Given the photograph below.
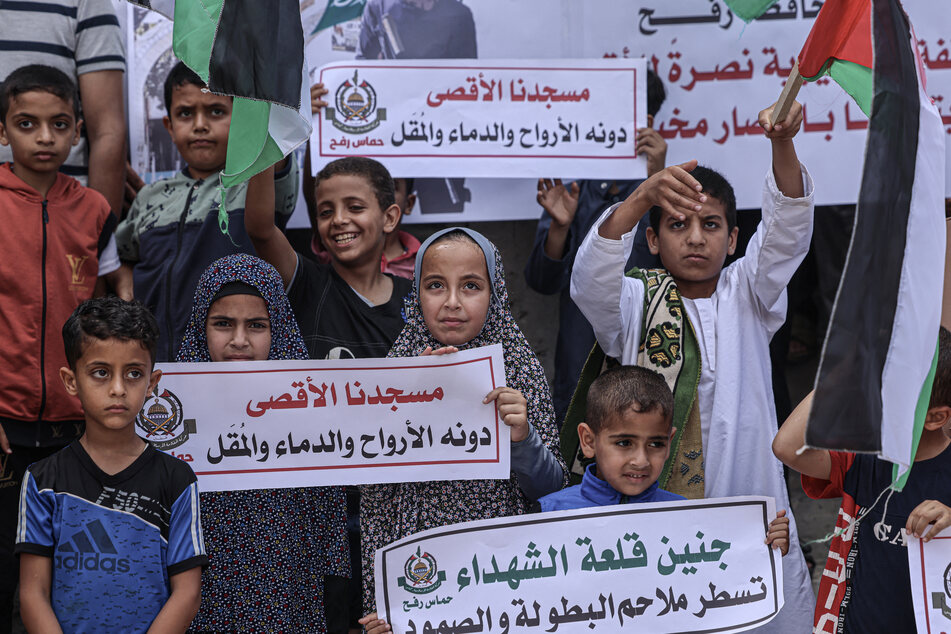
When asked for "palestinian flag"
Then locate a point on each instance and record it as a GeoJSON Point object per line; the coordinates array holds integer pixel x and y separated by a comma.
{"type": "Point", "coordinates": [252, 50]}
{"type": "Point", "coordinates": [840, 45]}
{"type": "Point", "coordinates": [877, 364]}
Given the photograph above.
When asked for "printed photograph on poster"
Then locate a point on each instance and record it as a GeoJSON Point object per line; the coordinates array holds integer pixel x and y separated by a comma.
{"type": "Point", "coordinates": [930, 566]}
{"type": "Point", "coordinates": [279, 424]}
{"type": "Point", "coordinates": [690, 566]}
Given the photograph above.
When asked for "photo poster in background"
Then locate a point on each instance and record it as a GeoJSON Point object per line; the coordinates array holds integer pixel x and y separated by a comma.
{"type": "Point", "coordinates": [717, 70]}
{"type": "Point", "coordinates": [279, 424]}
{"type": "Point", "coordinates": [691, 566]}
{"type": "Point", "coordinates": [496, 119]}
{"type": "Point", "coordinates": [930, 566]}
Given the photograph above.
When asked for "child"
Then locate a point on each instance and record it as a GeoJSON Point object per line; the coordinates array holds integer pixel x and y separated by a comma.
{"type": "Point", "coordinates": [627, 431]}
{"type": "Point", "coordinates": [242, 314]}
{"type": "Point", "coordinates": [399, 248]}
{"type": "Point", "coordinates": [865, 586]}
{"type": "Point", "coordinates": [460, 301]}
{"type": "Point", "coordinates": [706, 328]}
{"type": "Point", "coordinates": [349, 309]}
{"type": "Point", "coordinates": [172, 232]}
{"type": "Point", "coordinates": [108, 534]}
{"type": "Point", "coordinates": [57, 239]}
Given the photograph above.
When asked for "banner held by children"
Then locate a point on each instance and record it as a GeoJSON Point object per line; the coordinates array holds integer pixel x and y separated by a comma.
{"type": "Point", "coordinates": [279, 424]}
{"type": "Point", "coordinates": [930, 567]}
{"type": "Point", "coordinates": [497, 119]}
{"type": "Point", "coordinates": [692, 566]}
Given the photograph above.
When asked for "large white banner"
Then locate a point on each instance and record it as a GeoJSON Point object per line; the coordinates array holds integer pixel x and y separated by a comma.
{"type": "Point", "coordinates": [692, 566]}
{"type": "Point", "coordinates": [278, 424]}
{"type": "Point", "coordinates": [465, 118]}
{"type": "Point", "coordinates": [930, 566]}
{"type": "Point", "coordinates": [718, 71]}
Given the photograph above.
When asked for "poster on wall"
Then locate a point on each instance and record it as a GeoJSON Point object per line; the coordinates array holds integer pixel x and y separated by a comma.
{"type": "Point", "coordinates": [718, 73]}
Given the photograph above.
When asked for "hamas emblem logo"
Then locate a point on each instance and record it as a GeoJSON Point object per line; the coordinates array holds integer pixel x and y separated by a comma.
{"type": "Point", "coordinates": [355, 110]}
{"type": "Point", "coordinates": [422, 576]}
{"type": "Point", "coordinates": [162, 423]}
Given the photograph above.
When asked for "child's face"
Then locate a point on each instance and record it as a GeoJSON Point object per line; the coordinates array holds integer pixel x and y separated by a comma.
{"type": "Point", "coordinates": [112, 379]}
{"type": "Point", "coordinates": [238, 328]}
{"type": "Point", "coordinates": [350, 223]}
{"type": "Point", "coordinates": [454, 291]}
{"type": "Point", "coordinates": [694, 249]}
{"type": "Point", "coordinates": [40, 129]}
{"type": "Point", "coordinates": [198, 123]}
{"type": "Point", "coordinates": [630, 450]}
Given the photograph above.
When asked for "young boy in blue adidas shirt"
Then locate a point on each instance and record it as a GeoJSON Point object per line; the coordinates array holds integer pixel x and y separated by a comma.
{"type": "Point", "coordinates": [627, 430]}
{"type": "Point", "coordinates": [109, 536]}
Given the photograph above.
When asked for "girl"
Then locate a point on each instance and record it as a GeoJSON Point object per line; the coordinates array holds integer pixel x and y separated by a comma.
{"type": "Point", "coordinates": [269, 549]}
{"type": "Point", "coordinates": [460, 301]}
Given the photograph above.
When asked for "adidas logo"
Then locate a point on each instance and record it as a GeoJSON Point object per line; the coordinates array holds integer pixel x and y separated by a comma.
{"type": "Point", "coordinates": [90, 549]}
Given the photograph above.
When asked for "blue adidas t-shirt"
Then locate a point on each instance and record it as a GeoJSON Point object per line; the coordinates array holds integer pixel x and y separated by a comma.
{"type": "Point", "coordinates": [114, 540]}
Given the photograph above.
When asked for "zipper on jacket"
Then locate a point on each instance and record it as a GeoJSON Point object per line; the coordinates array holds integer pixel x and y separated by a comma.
{"type": "Point", "coordinates": [46, 221]}
{"type": "Point", "coordinates": [171, 266]}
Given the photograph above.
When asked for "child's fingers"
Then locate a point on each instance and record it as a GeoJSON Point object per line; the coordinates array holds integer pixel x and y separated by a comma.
{"type": "Point", "coordinates": [428, 351]}
{"type": "Point", "coordinates": [439, 351]}
{"type": "Point", "coordinates": [504, 394]}
{"type": "Point", "coordinates": [928, 519]}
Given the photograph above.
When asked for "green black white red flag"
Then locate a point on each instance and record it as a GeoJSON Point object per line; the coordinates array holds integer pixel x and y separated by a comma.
{"type": "Point", "coordinates": [877, 364]}
{"type": "Point", "coordinates": [252, 50]}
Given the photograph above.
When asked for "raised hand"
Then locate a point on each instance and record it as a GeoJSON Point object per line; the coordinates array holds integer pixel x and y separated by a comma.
{"type": "Point", "coordinates": [651, 143]}
{"type": "Point", "coordinates": [559, 201]}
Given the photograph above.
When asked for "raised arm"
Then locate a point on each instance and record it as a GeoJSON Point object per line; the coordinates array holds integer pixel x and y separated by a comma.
{"type": "Point", "coordinates": [269, 242]}
{"type": "Point", "coordinates": [786, 169]}
{"type": "Point", "coordinates": [814, 463]}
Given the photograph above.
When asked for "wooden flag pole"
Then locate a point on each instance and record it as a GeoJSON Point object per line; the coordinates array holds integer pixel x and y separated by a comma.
{"type": "Point", "coordinates": [788, 96]}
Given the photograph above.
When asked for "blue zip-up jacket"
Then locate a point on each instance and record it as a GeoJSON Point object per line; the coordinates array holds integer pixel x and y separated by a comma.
{"type": "Point", "coordinates": [171, 235]}
{"type": "Point", "coordinates": [593, 491]}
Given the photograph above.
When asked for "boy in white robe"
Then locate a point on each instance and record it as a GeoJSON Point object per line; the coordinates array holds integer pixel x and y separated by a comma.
{"type": "Point", "coordinates": [733, 313]}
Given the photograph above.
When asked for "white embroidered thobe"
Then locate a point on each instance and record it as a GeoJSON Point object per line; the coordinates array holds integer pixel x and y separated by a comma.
{"type": "Point", "coordinates": [737, 413]}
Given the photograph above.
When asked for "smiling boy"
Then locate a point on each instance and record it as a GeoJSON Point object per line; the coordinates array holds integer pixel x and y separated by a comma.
{"type": "Point", "coordinates": [109, 535]}
{"type": "Point", "coordinates": [172, 232]}
{"type": "Point", "coordinates": [707, 328]}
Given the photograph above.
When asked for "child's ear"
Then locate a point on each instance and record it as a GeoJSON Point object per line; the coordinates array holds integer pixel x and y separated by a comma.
{"type": "Point", "coordinates": [586, 437]}
{"type": "Point", "coordinates": [168, 126]}
{"type": "Point", "coordinates": [3, 135]}
{"type": "Point", "coordinates": [69, 381]}
{"type": "Point", "coordinates": [410, 203]}
{"type": "Point", "coordinates": [153, 382]}
{"type": "Point", "coordinates": [670, 441]}
{"type": "Point", "coordinates": [79, 127]}
{"type": "Point", "coordinates": [731, 243]}
{"type": "Point", "coordinates": [391, 218]}
{"type": "Point", "coordinates": [653, 243]}
{"type": "Point", "coordinates": [936, 417]}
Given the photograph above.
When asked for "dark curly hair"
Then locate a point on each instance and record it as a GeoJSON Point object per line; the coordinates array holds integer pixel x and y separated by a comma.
{"type": "Point", "coordinates": [109, 318]}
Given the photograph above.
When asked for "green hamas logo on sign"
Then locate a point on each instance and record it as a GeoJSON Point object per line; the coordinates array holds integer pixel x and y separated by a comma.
{"type": "Point", "coordinates": [355, 110]}
{"type": "Point", "coordinates": [422, 576]}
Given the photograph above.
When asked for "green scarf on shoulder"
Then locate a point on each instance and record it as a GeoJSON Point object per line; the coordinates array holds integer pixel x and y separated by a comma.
{"type": "Point", "coordinates": [668, 346]}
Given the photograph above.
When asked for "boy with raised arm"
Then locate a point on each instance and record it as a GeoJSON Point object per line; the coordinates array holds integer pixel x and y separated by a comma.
{"type": "Point", "coordinates": [706, 328]}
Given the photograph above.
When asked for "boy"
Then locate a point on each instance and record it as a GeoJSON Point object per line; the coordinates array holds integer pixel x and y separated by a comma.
{"type": "Point", "coordinates": [865, 586]}
{"type": "Point", "coordinates": [172, 232]}
{"type": "Point", "coordinates": [706, 328]}
{"type": "Point", "coordinates": [348, 308]}
{"type": "Point", "coordinates": [57, 239]}
{"type": "Point", "coordinates": [627, 431]}
{"type": "Point", "coordinates": [109, 535]}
